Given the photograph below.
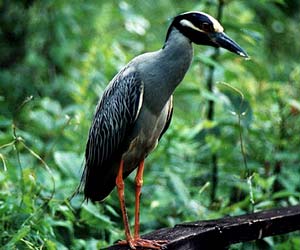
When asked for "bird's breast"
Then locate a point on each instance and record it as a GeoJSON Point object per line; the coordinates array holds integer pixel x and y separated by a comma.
{"type": "Point", "coordinates": [145, 135]}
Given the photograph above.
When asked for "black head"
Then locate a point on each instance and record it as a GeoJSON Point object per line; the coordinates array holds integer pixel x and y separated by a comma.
{"type": "Point", "coordinates": [203, 29]}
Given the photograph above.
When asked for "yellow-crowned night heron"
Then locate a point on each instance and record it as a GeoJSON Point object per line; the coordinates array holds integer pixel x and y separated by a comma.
{"type": "Point", "coordinates": [136, 109]}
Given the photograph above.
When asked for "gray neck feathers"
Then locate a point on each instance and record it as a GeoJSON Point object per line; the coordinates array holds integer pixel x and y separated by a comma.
{"type": "Point", "coordinates": [163, 70]}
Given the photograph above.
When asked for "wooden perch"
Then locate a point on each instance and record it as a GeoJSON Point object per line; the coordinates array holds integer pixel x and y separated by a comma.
{"type": "Point", "coordinates": [219, 234]}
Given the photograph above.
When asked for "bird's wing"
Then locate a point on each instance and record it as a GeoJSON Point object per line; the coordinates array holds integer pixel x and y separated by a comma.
{"type": "Point", "coordinates": [115, 116]}
{"type": "Point", "coordinates": [169, 117]}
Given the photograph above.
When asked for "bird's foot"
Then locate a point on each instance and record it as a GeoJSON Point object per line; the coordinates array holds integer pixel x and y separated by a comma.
{"type": "Point", "coordinates": [143, 243]}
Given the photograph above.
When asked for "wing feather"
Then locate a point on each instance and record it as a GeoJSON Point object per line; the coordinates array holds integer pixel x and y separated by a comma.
{"type": "Point", "coordinates": [115, 115]}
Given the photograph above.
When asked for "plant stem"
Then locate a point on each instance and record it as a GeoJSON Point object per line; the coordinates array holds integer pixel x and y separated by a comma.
{"type": "Point", "coordinates": [211, 111]}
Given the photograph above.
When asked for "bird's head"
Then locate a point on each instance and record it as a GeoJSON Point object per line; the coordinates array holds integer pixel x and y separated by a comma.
{"type": "Point", "coordinates": [203, 29]}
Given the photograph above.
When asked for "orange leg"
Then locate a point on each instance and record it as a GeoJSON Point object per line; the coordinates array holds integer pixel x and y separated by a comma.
{"type": "Point", "coordinates": [138, 188]}
{"type": "Point", "coordinates": [120, 187]}
{"type": "Point", "coordinates": [136, 241]}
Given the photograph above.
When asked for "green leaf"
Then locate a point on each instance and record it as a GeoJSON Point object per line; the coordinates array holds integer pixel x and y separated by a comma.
{"type": "Point", "coordinates": [90, 214]}
{"type": "Point", "coordinates": [69, 163]}
{"type": "Point", "coordinates": [20, 234]}
{"type": "Point", "coordinates": [51, 106]}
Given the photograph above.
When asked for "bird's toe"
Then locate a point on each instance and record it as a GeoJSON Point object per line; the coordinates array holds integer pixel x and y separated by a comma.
{"type": "Point", "coordinates": [143, 243]}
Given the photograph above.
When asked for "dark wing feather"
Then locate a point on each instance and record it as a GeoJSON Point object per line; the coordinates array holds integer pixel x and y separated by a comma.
{"type": "Point", "coordinates": [115, 116]}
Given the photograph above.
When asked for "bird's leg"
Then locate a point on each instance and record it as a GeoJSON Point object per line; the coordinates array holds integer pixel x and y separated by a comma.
{"type": "Point", "coordinates": [139, 184]}
{"type": "Point", "coordinates": [135, 241]}
{"type": "Point", "coordinates": [120, 187]}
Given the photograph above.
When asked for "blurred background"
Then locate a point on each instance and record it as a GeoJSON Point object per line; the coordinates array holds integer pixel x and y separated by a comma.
{"type": "Point", "coordinates": [233, 146]}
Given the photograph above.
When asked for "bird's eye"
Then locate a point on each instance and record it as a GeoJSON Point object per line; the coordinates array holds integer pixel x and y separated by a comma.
{"type": "Point", "coordinates": [207, 27]}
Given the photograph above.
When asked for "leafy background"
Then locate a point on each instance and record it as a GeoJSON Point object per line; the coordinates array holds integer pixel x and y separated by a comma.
{"type": "Point", "coordinates": [56, 59]}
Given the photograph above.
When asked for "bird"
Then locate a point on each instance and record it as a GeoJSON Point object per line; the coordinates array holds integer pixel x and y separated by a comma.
{"type": "Point", "coordinates": [135, 110]}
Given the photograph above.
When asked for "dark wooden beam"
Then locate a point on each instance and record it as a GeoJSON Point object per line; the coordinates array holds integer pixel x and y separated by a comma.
{"type": "Point", "coordinates": [220, 233]}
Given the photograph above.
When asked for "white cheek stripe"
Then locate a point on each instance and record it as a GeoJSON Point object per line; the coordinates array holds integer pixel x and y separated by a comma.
{"type": "Point", "coordinates": [187, 23]}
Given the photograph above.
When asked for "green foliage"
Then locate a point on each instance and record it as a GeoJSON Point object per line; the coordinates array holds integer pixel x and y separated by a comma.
{"type": "Point", "coordinates": [56, 59]}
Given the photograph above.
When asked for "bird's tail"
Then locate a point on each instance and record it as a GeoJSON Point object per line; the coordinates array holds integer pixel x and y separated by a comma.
{"type": "Point", "coordinates": [95, 185]}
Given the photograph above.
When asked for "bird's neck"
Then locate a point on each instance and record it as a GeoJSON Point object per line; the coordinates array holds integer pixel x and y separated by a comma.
{"type": "Point", "coordinates": [170, 65]}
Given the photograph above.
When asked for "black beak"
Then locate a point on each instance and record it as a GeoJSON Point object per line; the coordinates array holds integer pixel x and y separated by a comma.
{"type": "Point", "coordinates": [224, 41]}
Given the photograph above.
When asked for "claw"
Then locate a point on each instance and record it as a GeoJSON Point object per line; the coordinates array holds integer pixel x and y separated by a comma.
{"type": "Point", "coordinates": [145, 244]}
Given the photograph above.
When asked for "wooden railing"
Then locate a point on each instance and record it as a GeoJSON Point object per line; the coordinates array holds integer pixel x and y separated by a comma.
{"type": "Point", "coordinates": [220, 234]}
